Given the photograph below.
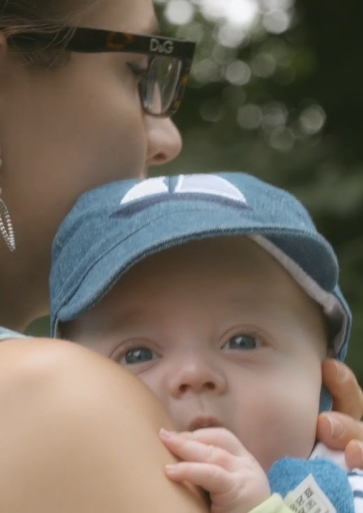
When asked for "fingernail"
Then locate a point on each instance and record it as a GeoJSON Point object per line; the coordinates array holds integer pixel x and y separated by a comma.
{"type": "Point", "coordinates": [170, 468]}
{"type": "Point", "coordinates": [165, 433]}
{"type": "Point", "coordinates": [342, 372]}
{"type": "Point", "coordinates": [336, 427]}
{"type": "Point", "coordinates": [360, 448]}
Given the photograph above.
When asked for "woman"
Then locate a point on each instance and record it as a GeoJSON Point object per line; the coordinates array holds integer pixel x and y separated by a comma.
{"type": "Point", "coordinates": [78, 109]}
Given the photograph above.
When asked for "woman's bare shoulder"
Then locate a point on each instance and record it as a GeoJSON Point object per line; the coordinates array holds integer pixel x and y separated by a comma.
{"type": "Point", "coordinates": [75, 371]}
{"type": "Point", "coordinates": [80, 433]}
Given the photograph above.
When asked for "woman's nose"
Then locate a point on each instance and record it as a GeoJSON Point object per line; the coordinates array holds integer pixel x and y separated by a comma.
{"type": "Point", "coordinates": [196, 375]}
{"type": "Point", "coordinates": [164, 141]}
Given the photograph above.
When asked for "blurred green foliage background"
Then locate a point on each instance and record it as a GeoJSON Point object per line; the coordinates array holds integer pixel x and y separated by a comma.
{"type": "Point", "coordinates": [277, 90]}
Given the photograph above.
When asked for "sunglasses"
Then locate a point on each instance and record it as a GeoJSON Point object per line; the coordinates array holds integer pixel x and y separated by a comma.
{"type": "Point", "coordinates": [162, 82]}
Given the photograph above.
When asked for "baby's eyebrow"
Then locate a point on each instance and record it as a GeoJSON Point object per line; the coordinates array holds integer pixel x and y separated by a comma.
{"type": "Point", "coordinates": [235, 298]}
{"type": "Point", "coordinates": [244, 298]}
{"type": "Point", "coordinates": [252, 304]}
{"type": "Point", "coordinates": [131, 316]}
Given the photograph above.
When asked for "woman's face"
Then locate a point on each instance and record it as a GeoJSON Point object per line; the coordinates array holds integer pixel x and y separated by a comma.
{"type": "Point", "coordinates": [65, 131]}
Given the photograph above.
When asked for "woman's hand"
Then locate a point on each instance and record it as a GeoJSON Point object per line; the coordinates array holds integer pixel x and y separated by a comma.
{"type": "Point", "coordinates": [342, 428]}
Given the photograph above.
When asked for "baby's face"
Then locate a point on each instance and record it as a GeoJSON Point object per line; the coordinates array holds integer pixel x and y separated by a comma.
{"type": "Point", "coordinates": [224, 336]}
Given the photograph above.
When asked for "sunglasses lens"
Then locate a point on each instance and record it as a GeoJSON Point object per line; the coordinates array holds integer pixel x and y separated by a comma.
{"type": "Point", "coordinates": [159, 87]}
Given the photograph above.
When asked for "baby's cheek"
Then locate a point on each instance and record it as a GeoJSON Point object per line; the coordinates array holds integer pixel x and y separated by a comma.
{"type": "Point", "coordinates": [288, 424]}
{"type": "Point", "coordinates": [300, 424]}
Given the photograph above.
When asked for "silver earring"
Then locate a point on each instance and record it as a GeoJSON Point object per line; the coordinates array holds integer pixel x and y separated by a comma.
{"type": "Point", "coordinates": [6, 226]}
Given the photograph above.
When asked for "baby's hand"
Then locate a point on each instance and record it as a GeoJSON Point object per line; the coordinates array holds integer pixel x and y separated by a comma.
{"type": "Point", "coordinates": [215, 459]}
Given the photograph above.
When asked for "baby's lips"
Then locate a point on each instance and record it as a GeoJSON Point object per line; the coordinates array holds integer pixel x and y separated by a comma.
{"type": "Point", "coordinates": [204, 422]}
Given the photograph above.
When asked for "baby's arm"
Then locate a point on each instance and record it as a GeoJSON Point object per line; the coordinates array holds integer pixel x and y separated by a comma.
{"type": "Point", "coordinates": [215, 459]}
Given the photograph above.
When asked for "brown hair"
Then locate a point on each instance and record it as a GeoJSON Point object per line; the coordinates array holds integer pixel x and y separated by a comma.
{"type": "Point", "coordinates": [43, 16]}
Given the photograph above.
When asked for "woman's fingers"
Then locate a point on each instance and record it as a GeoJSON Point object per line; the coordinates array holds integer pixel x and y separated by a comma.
{"type": "Point", "coordinates": [336, 430]}
{"type": "Point", "coordinates": [341, 429]}
{"type": "Point", "coordinates": [354, 454]}
{"type": "Point", "coordinates": [344, 388]}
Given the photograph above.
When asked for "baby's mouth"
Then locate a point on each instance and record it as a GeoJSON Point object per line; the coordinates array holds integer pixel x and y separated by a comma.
{"type": "Point", "coordinates": [204, 422]}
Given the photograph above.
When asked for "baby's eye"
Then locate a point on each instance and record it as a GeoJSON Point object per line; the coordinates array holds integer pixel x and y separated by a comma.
{"type": "Point", "coordinates": [243, 341]}
{"type": "Point", "coordinates": [138, 355]}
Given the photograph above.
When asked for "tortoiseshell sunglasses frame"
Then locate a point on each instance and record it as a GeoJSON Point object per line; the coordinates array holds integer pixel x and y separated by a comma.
{"type": "Point", "coordinates": [92, 40]}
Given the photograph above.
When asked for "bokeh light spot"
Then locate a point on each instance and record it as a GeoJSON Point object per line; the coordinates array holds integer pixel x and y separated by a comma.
{"type": "Point", "coordinates": [179, 12]}
{"type": "Point", "coordinates": [238, 72]}
{"type": "Point", "coordinates": [312, 119]}
{"type": "Point", "coordinates": [249, 116]}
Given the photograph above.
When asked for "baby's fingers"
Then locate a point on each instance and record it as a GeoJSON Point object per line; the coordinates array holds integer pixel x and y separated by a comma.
{"type": "Point", "coordinates": [217, 436]}
{"type": "Point", "coordinates": [195, 451]}
{"type": "Point", "coordinates": [212, 478]}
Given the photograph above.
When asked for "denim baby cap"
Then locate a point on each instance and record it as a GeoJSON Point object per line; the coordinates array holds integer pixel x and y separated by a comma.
{"type": "Point", "coordinates": [113, 227]}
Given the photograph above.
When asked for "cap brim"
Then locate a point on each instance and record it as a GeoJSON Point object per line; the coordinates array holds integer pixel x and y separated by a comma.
{"type": "Point", "coordinates": [186, 225]}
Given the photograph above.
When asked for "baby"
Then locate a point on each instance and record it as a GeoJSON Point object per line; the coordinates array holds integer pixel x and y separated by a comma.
{"type": "Point", "coordinates": [218, 292]}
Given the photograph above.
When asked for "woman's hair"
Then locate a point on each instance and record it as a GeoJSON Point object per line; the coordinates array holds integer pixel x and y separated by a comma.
{"type": "Point", "coordinates": [41, 16]}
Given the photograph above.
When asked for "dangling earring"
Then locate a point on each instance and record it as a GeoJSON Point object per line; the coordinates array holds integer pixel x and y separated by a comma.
{"type": "Point", "coordinates": [6, 226]}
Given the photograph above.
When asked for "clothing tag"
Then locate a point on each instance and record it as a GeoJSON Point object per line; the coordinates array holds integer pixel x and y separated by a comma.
{"type": "Point", "coordinates": [308, 497]}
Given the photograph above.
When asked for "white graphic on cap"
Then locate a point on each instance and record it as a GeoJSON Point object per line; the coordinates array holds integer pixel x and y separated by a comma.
{"type": "Point", "coordinates": [146, 188]}
{"type": "Point", "coordinates": [209, 184]}
{"type": "Point", "coordinates": [196, 184]}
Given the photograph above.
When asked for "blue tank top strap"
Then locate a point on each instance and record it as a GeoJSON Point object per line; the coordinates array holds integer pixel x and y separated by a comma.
{"type": "Point", "coordinates": [5, 333]}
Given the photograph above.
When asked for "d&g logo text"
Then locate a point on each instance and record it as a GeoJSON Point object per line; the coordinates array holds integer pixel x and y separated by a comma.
{"type": "Point", "coordinates": [157, 46]}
